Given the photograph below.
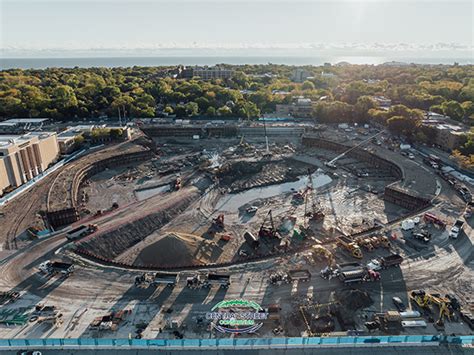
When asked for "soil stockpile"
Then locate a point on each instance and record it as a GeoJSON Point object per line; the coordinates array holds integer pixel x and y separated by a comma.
{"type": "Point", "coordinates": [171, 250]}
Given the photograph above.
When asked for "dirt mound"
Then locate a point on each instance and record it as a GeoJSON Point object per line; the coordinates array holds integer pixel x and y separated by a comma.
{"type": "Point", "coordinates": [354, 299]}
{"type": "Point", "coordinates": [170, 250]}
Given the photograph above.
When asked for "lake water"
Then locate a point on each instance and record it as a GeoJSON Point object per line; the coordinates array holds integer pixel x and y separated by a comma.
{"type": "Point", "coordinates": [111, 62]}
{"type": "Point", "coordinates": [232, 202]}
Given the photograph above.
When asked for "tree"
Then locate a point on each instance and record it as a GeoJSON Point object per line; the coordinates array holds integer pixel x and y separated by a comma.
{"type": "Point", "coordinates": [64, 97]}
{"type": "Point", "coordinates": [400, 125]}
{"type": "Point", "coordinates": [362, 107]}
{"type": "Point", "coordinates": [453, 109]}
{"type": "Point", "coordinates": [307, 85]}
{"type": "Point", "coordinates": [224, 111]}
{"type": "Point", "coordinates": [192, 108]}
{"type": "Point", "coordinates": [211, 111]}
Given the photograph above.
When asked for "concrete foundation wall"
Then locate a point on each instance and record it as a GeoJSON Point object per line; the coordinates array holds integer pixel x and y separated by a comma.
{"type": "Point", "coordinates": [404, 199]}
{"type": "Point", "coordinates": [357, 153]}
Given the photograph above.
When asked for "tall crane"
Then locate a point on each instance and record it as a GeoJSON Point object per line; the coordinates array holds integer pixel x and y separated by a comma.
{"type": "Point", "coordinates": [316, 214]}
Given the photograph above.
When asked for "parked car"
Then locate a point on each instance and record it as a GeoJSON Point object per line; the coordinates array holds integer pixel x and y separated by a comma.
{"type": "Point", "coordinates": [397, 301]}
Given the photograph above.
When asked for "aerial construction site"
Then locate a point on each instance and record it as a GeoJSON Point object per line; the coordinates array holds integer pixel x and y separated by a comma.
{"type": "Point", "coordinates": [329, 230]}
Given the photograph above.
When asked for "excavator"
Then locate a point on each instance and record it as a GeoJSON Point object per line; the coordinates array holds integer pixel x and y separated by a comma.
{"type": "Point", "coordinates": [318, 251]}
{"type": "Point", "coordinates": [424, 300]}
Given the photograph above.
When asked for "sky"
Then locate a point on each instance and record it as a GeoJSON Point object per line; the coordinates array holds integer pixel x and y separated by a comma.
{"type": "Point", "coordinates": [56, 27]}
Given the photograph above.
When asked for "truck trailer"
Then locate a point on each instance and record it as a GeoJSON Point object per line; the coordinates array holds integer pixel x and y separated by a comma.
{"type": "Point", "coordinates": [56, 267]}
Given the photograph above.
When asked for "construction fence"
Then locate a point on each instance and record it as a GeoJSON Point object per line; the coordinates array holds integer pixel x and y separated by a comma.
{"type": "Point", "coordinates": [235, 344]}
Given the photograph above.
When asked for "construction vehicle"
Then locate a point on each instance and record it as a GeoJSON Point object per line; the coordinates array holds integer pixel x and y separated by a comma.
{"type": "Point", "coordinates": [366, 243]}
{"type": "Point", "coordinates": [225, 237]}
{"type": "Point", "coordinates": [207, 280]}
{"type": "Point", "coordinates": [422, 236]}
{"type": "Point", "coordinates": [251, 209]}
{"type": "Point", "coordinates": [456, 229]}
{"type": "Point", "coordinates": [81, 231]}
{"type": "Point", "coordinates": [9, 297]}
{"type": "Point", "coordinates": [218, 222]}
{"type": "Point", "coordinates": [160, 278]}
{"type": "Point", "coordinates": [385, 262]}
{"type": "Point", "coordinates": [110, 321]}
{"type": "Point", "coordinates": [424, 300]}
{"type": "Point", "coordinates": [56, 267]}
{"type": "Point", "coordinates": [431, 218]}
{"type": "Point", "coordinates": [268, 232]}
{"type": "Point", "coordinates": [360, 274]}
{"type": "Point", "coordinates": [350, 246]}
{"type": "Point", "coordinates": [177, 184]}
{"type": "Point", "coordinates": [320, 251]}
{"type": "Point", "coordinates": [46, 314]}
{"type": "Point", "coordinates": [302, 275]}
{"type": "Point", "coordinates": [316, 214]}
{"type": "Point", "coordinates": [251, 240]}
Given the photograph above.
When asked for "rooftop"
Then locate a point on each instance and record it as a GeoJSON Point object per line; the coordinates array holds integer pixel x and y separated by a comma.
{"type": "Point", "coordinates": [26, 120]}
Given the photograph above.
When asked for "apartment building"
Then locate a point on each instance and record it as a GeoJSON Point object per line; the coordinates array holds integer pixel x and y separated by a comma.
{"type": "Point", "coordinates": [26, 156]}
{"type": "Point", "coordinates": [206, 73]}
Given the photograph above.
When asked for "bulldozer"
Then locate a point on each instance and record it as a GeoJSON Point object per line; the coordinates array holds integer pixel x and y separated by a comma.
{"type": "Point", "coordinates": [350, 246]}
{"type": "Point", "coordinates": [366, 243]}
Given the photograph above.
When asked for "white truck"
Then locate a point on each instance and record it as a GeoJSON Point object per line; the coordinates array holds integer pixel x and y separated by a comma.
{"type": "Point", "coordinates": [456, 229]}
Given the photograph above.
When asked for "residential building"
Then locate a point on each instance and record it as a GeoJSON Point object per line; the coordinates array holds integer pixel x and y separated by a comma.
{"type": "Point", "coordinates": [300, 108]}
{"type": "Point", "coordinates": [26, 156]}
{"type": "Point", "coordinates": [299, 75]}
{"type": "Point", "coordinates": [206, 73]}
{"type": "Point", "coordinates": [448, 136]}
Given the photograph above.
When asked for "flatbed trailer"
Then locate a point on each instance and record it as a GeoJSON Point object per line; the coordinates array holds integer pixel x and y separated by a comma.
{"type": "Point", "coordinates": [302, 275]}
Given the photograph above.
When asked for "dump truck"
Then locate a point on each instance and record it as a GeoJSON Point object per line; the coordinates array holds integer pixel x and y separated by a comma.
{"type": "Point", "coordinates": [456, 229]}
{"type": "Point", "coordinates": [251, 240]}
{"type": "Point", "coordinates": [352, 276]}
{"type": "Point", "coordinates": [208, 280]}
{"type": "Point", "coordinates": [160, 278]}
{"type": "Point", "coordinates": [56, 267]}
{"type": "Point", "coordinates": [350, 246]}
{"type": "Point", "coordinates": [431, 218]}
{"type": "Point", "coordinates": [391, 260]}
{"type": "Point", "coordinates": [302, 275]}
{"type": "Point", "coordinates": [81, 231]}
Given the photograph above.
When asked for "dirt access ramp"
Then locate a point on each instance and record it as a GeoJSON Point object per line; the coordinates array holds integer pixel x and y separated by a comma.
{"type": "Point", "coordinates": [137, 222]}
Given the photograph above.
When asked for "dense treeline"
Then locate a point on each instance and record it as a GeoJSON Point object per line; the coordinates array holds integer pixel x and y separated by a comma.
{"type": "Point", "coordinates": [346, 96]}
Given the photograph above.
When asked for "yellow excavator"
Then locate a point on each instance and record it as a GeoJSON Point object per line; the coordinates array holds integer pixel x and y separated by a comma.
{"type": "Point", "coordinates": [318, 251]}
{"type": "Point", "coordinates": [425, 300]}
